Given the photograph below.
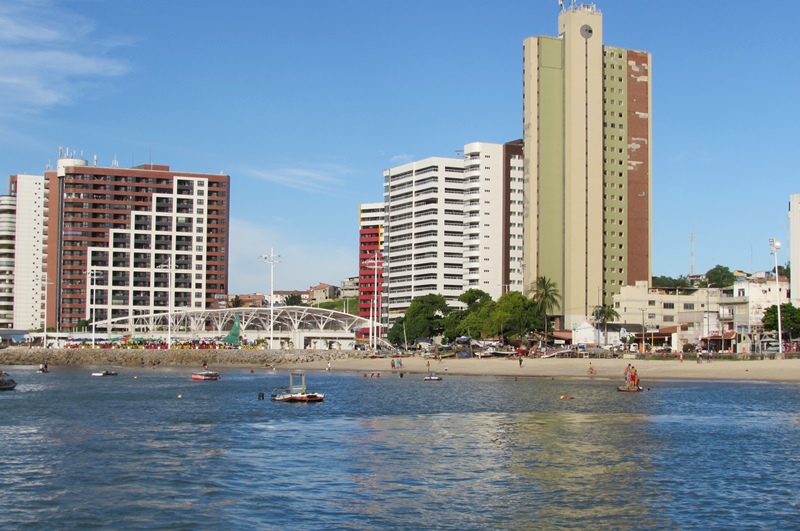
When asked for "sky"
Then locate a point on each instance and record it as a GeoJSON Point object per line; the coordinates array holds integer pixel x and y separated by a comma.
{"type": "Point", "coordinates": [304, 104]}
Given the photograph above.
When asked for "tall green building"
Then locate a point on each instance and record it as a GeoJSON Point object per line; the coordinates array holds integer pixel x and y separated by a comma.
{"type": "Point", "coordinates": [587, 159]}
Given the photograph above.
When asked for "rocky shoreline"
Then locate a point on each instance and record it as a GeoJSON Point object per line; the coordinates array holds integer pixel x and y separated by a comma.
{"type": "Point", "coordinates": [171, 357]}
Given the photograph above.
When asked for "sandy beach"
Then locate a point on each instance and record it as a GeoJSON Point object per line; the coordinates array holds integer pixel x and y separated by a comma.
{"type": "Point", "coordinates": [612, 369]}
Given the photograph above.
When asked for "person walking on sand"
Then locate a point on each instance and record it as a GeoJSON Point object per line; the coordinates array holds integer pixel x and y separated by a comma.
{"type": "Point", "coordinates": [520, 361]}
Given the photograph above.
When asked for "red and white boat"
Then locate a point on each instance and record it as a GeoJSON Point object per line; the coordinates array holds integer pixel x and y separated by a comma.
{"type": "Point", "coordinates": [296, 392]}
{"type": "Point", "coordinates": [205, 375]}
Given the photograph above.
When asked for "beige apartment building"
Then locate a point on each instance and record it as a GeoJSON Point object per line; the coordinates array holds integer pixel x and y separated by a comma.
{"type": "Point", "coordinates": [587, 159]}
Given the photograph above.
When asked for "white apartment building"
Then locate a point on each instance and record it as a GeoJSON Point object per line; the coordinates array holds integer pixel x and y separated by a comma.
{"type": "Point", "coordinates": [29, 280]}
{"type": "Point", "coordinates": [742, 308]}
{"type": "Point", "coordinates": [7, 230]}
{"type": "Point", "coordinates": [453, 224]}
{"type": "Point", "coordinates": [792, 255]}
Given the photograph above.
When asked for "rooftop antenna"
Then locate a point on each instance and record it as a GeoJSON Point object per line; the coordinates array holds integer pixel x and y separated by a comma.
{"type": "Point", "coordinates": [115, 162]}
{"type": "Point", "coordinates": [95, 160]}
{"type": "Point", "coordinates": [691, 263]}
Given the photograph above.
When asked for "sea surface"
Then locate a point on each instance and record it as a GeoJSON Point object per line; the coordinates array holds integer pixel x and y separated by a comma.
{"type": "Point", "coordinates": [151, 449]}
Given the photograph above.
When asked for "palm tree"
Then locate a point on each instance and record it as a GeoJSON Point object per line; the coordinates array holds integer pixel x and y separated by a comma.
{"type": "Point", "coordinates": [606, 314]}
{"type": "Point", "coordinates": [546, 299]}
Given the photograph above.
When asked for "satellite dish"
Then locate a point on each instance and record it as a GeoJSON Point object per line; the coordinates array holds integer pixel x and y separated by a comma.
{"type": "Point", "coordinates": [586, 31]}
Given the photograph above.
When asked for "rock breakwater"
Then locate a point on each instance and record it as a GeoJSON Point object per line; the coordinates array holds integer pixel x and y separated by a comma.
{"type": "Point", "coordinates": [170, 357]}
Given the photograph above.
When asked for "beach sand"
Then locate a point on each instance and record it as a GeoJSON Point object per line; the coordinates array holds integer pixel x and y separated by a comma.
{"type": "Point", "coordinates": [611, 369]}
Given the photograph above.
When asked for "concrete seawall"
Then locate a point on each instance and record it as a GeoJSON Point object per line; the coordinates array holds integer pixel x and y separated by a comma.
{"type": "Point", "coordinates": [177, 357]}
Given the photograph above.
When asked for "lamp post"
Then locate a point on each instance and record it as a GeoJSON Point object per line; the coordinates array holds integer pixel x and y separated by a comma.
{"type": "Point", "coordinates": [92, 277]}
{"type": "Point", "coordinates": [776, 246]}
{"type": "Point", "coordinates": [44, 320]}
{"type": "Point", "coordinates": [374, 264]}
{"type": "Point", "coordinates": [271, 259]}
{"type": "Point", "coordinates": [168, 266]}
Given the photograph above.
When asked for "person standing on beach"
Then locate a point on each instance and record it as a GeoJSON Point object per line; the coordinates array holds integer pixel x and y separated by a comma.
{"type": "Point", "coordinates": [520, 361]}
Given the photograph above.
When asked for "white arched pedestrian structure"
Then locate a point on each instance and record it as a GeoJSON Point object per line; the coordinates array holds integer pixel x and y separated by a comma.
{"type": "Point", "coordinates": [293, 326]}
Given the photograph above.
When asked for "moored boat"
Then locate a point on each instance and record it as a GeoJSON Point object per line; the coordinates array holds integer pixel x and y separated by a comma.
{"type": "Point", "coordinates": [205, 375]}
{"type": "Point", "coordinates": [626, 389]}
{"type": "Point", "coordinates": [433, 377]}
{"type": "Point", "coordinates": [296, 391]}
{"type": "Point", "coordinates": [104, 373]}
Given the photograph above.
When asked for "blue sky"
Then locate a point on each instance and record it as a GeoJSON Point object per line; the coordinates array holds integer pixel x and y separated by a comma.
{"type": "Point", "coordinates": [305, 104]}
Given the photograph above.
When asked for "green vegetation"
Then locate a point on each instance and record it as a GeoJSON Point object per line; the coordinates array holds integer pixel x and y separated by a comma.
{"type": "Point", "coordinates": [512, 316]}
{"type": "Point", "coordinates": [347, 305]}
{"type": "Point", "coordinates": [293, 300]}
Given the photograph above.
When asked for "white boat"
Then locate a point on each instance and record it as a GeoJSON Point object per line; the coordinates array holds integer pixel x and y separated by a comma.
{"type": "Point", "coordinates": [104, 373]}
{"type": "Point", "coordinates": [296, 392]}
{"type": "Point", "coordinates": [432, 377]}
{"type": "Point", "coordinates": [205, 375]}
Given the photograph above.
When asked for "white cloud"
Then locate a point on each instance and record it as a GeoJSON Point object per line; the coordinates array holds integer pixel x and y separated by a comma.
{"type": "Point", "coordinates": [49, 56]}
{"type": "Point", "coordinates": [303, 262]}
{"type": "Point", "coordinates": [324, 179]}
{"type": "Point", "coordinates": [402, 158]}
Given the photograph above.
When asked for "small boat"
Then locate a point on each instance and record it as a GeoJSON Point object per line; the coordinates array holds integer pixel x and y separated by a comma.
{"type": "Point", "coordinates": [432, 377]}
{"type": "Point", "coordinates": [104, 373]}
{"type": "Point", "coordinates": [626, 389]}
{"type": "Point", "coordinates": [7, 383]}
{"type": "Point", "coordinates": [296, 392]}
{"type": "Point", "coordinates": [205, 375]}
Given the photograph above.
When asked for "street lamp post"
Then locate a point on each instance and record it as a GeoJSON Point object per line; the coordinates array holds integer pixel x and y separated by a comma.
{"type": "Point", "coordinates": [92, 274]}
{"type": "Point", "coordinates": [168, 266]}
{"type": "Point", "coordinates": [271, 259]}
{"type": "Point", "coordinates": [776, 246]}
{"type": "Point", "coordinates": [44, 321]}
{"type": "Point", "coordinates": [374, 264]}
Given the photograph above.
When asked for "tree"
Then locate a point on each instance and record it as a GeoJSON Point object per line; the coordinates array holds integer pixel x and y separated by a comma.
{"type": "Point", "coordinates": [293, 300]}
{"type": "Point", "coordinates": [790, 319]}
{"type": "Point", "coordinates": [474, 298]}
{"type": "Point", "coordinates": [546, 299]}
{"type": "Point", "coordinates": [237, 302]}
{"type": "Point", "coordinates": [669, 282]}
{"type": "Point", "coordinates": [423, 318]}
{"type": "Point", "coordinates": [514, 314]}
{"type": "Point", "coordinates": [719, 277]}
{"type": "Point", "coordinates": [606, 314]}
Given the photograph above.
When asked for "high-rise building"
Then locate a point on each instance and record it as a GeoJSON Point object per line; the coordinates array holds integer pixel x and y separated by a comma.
{"type": "Point", "coordinates": [370, 261]}
{"type": "Point", "coordinates": [125, 241]}
{"type": "Point", "coordinates": [7, 236]}
{"type": "Point", "coordinates": [587, 134]}
{"type": "Point", "coordinates": [453, 224]}
{"type": "Point", "coordinates": [30, 282]}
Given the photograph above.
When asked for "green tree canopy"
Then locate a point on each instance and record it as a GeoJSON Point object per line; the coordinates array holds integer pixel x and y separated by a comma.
{"type": "Point", "coordinates": [790, 319]}
{"type": "Point", "coordinates": [669, 282]}
{"type": "Point", "coordinates": [546, 298]}
{"type": "Point", "coordinates": [237, 302]}
{"type": "Point", "coordinates": [719, 277]}
{"type": "Point", "coordinates": [424, 318]}
{"type": "Point", "coordinates": [293, 300]}
{"type": "Point", "coordinates": [606, 314]}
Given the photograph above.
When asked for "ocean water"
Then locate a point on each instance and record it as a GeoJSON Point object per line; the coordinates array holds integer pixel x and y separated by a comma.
{"type": "Point", "coordinates": [151, 449]}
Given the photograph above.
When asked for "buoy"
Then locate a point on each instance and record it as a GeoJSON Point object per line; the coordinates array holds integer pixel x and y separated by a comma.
{"type": "Point", "coordinates": [564, 397]}
{"type": "Point", "coordinates": [261, 396]}
{"type": "Point", "coordinates": [135, 377]}
{"type": "Point", "coordinates": [180, 396]}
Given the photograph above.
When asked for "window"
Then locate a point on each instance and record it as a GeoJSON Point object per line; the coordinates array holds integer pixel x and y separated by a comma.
{"type": "Point", "coordinates": [651, 303]}
{"type": "Point", "coordinates": [688, 306]}
{"type": "Point", "coordinates": [669, 305]}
